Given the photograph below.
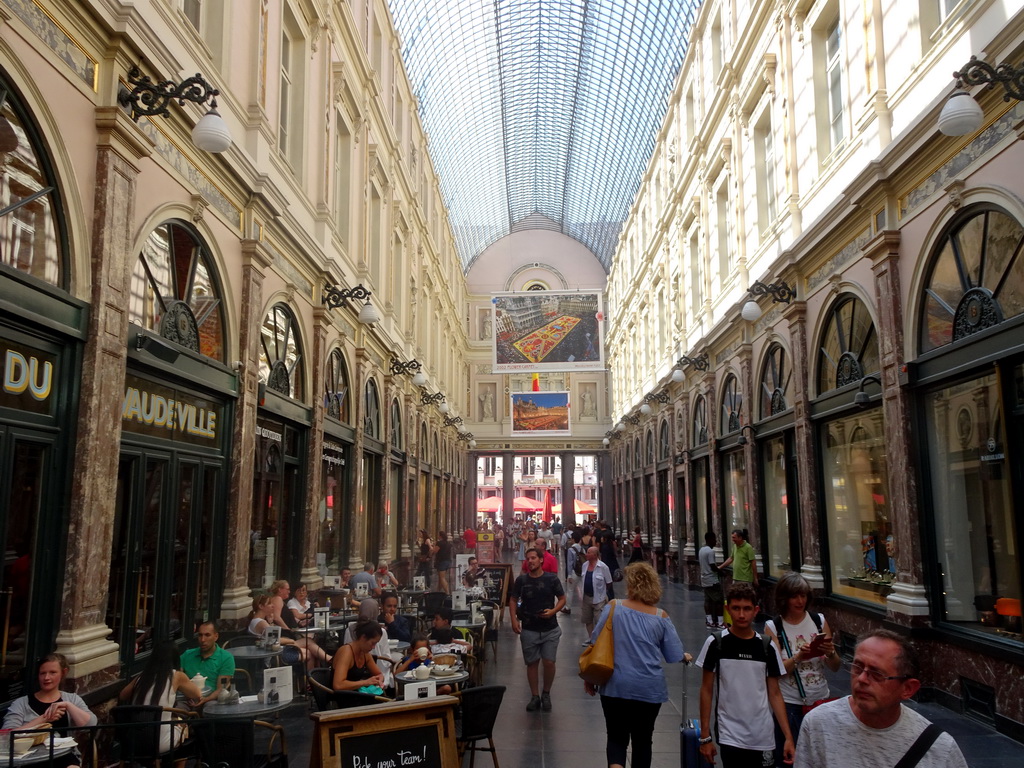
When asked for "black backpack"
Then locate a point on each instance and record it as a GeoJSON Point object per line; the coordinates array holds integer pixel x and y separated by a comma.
{"type": "Point", "coordinates": [577, 566]}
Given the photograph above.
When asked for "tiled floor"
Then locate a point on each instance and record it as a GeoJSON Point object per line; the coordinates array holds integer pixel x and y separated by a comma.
{"type": "Point", "coordinates": [572, 735]}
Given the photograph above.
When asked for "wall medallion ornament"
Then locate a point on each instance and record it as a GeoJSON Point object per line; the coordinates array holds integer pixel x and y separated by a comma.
{"type": "Point", "coordinates": [179, 325]}
{"type": "Point", "coordinates": [279, 379]}
{"type": "Point", "coordinates": [976, 311]}
{"type": "Point", "coordinates": [848, 371]}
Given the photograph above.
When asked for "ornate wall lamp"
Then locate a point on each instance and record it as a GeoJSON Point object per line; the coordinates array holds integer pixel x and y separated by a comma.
{"type": "Point", "coordinates": [682, 456]}
{"type": "Point", "coordinates": [742, 440]}
{"type": "Point", "coordinates": [780, 291]}
{"type": "Point", "coordinates": [633, 419]}
{"type": "Point", "coordinates": [654, 397]}
{"type": "Point", "coordinates": [210, 134]}
{"type": "Point", "coordinates": [415, 367]}
{"type": "Point", "coordinates": [452, 421]}
{"type": "Point", "coordinates": [963, 116]}
{"type": "Point", "coordinates": [610, 435]}
{"type": "Point", "coordinates": [700, 362]}
{"type": "Point", "coordinates": [468, 438]}
{"type": "Point", "coordinates": [335, 297]}
{"type": "Point", "coordinates": [862, 399]}
{"type": "Point", "coordinates": [435, 399]}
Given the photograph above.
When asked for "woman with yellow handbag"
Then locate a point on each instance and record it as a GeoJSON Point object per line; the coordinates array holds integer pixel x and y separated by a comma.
{"type": "Point", "coordinates": [639, 635]}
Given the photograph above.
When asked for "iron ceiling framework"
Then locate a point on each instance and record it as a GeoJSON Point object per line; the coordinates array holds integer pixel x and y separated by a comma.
{"type": "Point", "coordinates": [541, 113]}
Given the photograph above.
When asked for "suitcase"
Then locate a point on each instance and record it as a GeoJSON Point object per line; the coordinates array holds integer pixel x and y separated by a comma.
{"type": "Point", "coordinates": [689, 733]}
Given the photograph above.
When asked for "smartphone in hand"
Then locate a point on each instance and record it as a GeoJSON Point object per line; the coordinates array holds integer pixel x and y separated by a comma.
{"type": "Point", "coordinates": [817, 641]}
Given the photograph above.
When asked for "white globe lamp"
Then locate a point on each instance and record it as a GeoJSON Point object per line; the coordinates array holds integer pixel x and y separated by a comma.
{"type": "Point", "coordinates": [961, 115]}
{"type": "Point", "coordinates": [751, 311]}
{"type": "Point", "coordinates": [678, 375]}
{"type": "Point", "coordinates": [211, 133]}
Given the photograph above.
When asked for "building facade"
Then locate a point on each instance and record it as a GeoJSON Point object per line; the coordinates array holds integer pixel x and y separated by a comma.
{"type": "Point", "coordinates": [865, 429]}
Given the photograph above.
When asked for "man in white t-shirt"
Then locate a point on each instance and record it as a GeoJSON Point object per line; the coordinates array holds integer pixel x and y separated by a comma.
{"type": "Point", "coordinates": [743, 668]}
{"type": "Point", "coordinates": [853, 732]}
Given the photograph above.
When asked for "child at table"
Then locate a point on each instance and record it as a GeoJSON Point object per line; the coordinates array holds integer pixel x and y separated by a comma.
{"type": "Point", "coordinates": [418, 659]}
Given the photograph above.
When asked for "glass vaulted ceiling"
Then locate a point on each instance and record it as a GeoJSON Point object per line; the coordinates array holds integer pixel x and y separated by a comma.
{"type": "Point", "coordinates": [541, 113]}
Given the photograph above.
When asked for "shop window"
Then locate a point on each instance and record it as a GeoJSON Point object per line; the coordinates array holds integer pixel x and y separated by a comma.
{"type": "Point", "coordinates": [664, 442]}
{"type": "Point", "coordinates": [736, 505]}
{"type": "Point", "coordinates": [331, 541]}
{"type": "Point", "coordinates": [700, 422]}
{"type": "Point", "coordinates": [776, 506]}
{"type": "Point", "coordinates": [976, 280]}
{"type": "Point", "coordinates": [732, 400]}
{"type": "Point", "coordinates": [849, 347]}
{"type": "Point", "coordinates": [32, 236]}
{"type": "Point", "coordinates": [396, 426]}
{"type": "Point", "coordinates": [862, 544]}
{"type": "Point", "coordinates": [281, 353]}
{"type": "Point", "coordinates": [970, 462]}
{"type": "Point", "coordinates": [371, 410]}
{"type": "Point", "coordinates": [776, 382]}
{"type": "Point", "coordinates": [174, 291]}
{"type": "Point", "coordinates": [336, 401]}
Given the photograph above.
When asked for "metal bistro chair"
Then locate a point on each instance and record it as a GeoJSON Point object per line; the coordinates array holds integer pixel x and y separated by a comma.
{"type": "Point", "coordinates": [231, 743]}
{"type": "Point", "coordinates": [479, 712]}
{"type": "Point", "coordinates": [138, 728]}
{"type": "Point", "coordinates": [326, 698]}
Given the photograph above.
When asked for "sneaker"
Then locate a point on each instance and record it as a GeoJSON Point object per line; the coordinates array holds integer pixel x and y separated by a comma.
{"type": "Point", "coordinates": [545, 701]}
{"type": "Point", "coordinates": [534, 704]}
{"type": "Point", "coordinates": [710, 625]}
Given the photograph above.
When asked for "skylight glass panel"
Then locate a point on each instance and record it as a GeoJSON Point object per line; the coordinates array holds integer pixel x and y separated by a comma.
{"type": "Point", "coordinates": [541, 108]}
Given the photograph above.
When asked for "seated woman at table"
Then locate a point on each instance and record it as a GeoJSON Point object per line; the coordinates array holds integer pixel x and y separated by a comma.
{"type": "Point", "coordinates": [353, 664]}
{"type": "Point", "coordinates": [158, 684]}
{"type": "Point", "coordinates": [304, 650]}
{"type": "Point", "coordinates": [472, 577]}
{"type": "Point", "coordinates": [368, 611]}
{"type": "Point", "coordinates": [300, 607]}
{"type": "Point", "coordinates": [386, 580]}
{"type": "Point", "coordinates": [51, 706]}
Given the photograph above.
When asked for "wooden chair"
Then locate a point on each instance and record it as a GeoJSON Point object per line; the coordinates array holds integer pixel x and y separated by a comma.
{"type": "Point", "coordinates": [479, 712]}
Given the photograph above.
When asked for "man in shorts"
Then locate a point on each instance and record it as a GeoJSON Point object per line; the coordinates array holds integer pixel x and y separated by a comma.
{"type": "Point", "coordinates": [533, 608]}
{"type": "Point", "coordinates": [711, 582]}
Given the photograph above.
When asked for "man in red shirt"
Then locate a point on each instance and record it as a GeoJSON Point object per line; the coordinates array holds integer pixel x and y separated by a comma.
{"type": "Point", "coordinates": [550, 561]}
{"type": "Point", "coordinates": [470, 538]}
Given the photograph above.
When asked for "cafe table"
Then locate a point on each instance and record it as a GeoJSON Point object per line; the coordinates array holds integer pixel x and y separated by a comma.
{"type": "Point", "coordinates": [40, 753]}
{"type": "Point", "coordinates": [456, 678]}
{"type": "Point", "coordinates": [248, 706]}
{"type": "Point", "coordinates": [251, 652]}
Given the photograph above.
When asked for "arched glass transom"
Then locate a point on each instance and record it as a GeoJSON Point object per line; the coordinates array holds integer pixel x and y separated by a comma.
{"type": "Point", "coordinates": [336, 399]}
{"type": "Point", "coordinates": [174, 290]}
{"type": "Point", "coordinates": [664, 442]}
{"type": "Point", "coordinates": [32, 236]}
{"type": "Point", "coordinates": [849, 346]}
{"type": "Point", "coordinates": [650, 447]}
{"type": "Point", "coordinates": [732, 400]}
{"type": "Point", "coordinates": [776, 382]}
{"type": "Point", "coordinates": [281, 353]}
{"type": "Point", "coordinates": [637, 456]}
{"type": "Point", "coordinates": [541, 113]}
{"type": "Point", "coordinates": [424, 442]}
{"type": "Point", "coordinates": [700, 422]}
{"type": "Point", "coordinates": [976, 280]}
{"type": "Point", "coordinates": [371, 410]}
{"type": "Point", "coordinates": [396, 426]}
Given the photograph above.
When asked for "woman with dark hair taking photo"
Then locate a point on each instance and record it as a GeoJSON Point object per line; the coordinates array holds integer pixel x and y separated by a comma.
{"type": "Point", "coordinates": [157, 685]}
{"type": "Point", "coordinates": [633, 695]}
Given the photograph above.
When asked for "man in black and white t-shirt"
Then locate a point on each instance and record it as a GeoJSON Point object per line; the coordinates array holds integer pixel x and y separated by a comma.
{"type": "Point", "coordinates": [533, 608]}
{"type": "Point", "coordinates": [745, 669]}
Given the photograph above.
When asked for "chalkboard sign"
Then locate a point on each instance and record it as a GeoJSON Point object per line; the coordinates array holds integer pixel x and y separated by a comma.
{"type": "Point", "coordinates": [400, 734]}
{"type": "Point", "coordinates": [497, 580]}
{"type": "Point", "coordinates": [412, 748]}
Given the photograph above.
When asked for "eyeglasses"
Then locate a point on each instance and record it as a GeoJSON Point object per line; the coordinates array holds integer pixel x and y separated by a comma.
{"type": "Point", "coordinates": [857, 669]}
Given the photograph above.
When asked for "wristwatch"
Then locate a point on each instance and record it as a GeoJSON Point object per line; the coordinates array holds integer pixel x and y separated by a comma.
{"type": "Point", "coordinates": [706, 740]}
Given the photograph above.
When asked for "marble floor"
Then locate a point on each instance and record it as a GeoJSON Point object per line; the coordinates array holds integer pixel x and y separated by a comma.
{"type": "Point", "coordinates": [572, 734]}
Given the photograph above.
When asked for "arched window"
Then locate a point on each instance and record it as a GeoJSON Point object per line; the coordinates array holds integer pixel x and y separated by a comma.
{"type": "Point", "coordinates": [32, 236]}
{"type": "Point", "coordinates": [627, 462]}
{"type": "Point", "coordinates": [396, 426]}
{"type": "Point", "coordinates": [637, 456]}
{"type": "Point", "coordinates": [175, 292]}
{"type": "Point", "coordinates": [700, 422]}
{"type": "Point", "coordinates": [975, 280]}
{"type": "Point", "coordinates": [435, 455]}
{"type": "Point", "coordinates": [664, 442]}
{"type": "Point", "coordinates": [849, 346]}
{"type": "Point", "coordinates": [776, 382]}
{"type": "Point", "coordinates": [281, 353]}
{"type": "Point", "coordinates": [336, 399]}
{"type": "Point", "coordinates": [650, 447]}
{"type": "Point", "coordinates": [731, 402]}
{"type": "Point", "coordinates": [371, 410]}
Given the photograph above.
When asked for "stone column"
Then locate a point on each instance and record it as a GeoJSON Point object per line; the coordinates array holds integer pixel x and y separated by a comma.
{"type": "Point", "coordinates": [82, 637]}
{"type": "Point", "coordinates": [909, 596]}
{"type": "Point", "coordinates": [237, 600]}
{"type": "Point", "coordinates": [803, 430]}
{"type": "Point", "coordinates": [314, 457]}
{"type": "Point", "coordinates": [751, 477]}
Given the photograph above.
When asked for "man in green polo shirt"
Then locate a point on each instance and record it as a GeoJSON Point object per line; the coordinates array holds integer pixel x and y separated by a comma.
{"type": "Point", "coordinates": [209, 660]}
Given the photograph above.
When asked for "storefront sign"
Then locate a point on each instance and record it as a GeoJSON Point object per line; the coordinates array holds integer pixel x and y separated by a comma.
{"type": "Point", "coordinates": [268, 434]}
{"type": "Point", "coordinates": [28, 377]}
{"type": "Point", "coordinates": [150, 409]}
{"type": "Point", "coordinates": [333, 454]}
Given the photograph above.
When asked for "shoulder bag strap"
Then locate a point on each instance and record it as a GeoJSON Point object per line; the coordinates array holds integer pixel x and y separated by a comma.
{"type": "Point", "coordinates": [920, 747]}
{"type": "Point", "coordinates": [780, 632]}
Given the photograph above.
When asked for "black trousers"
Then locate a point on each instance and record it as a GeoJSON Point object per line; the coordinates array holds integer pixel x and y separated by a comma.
{"type": "Point", "coordinates": [625, 720]}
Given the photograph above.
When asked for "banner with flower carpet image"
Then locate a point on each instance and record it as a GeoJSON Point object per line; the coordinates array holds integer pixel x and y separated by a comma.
{"type": "Point", "coordinates": [548, 331]}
